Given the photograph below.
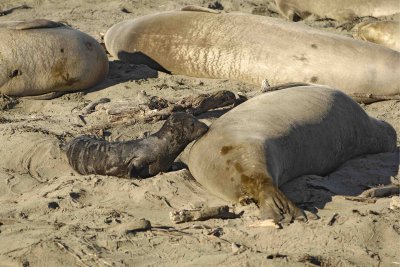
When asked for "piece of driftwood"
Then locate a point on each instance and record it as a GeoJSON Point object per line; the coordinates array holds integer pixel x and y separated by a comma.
{"type": "Point", "coordinates": [371, 98]}
{"type": "Point", "coordinates": [333, 219]}
{"type": "Point", "coordinates": [361, 199]}
{"type": "Point", "coordinates": [147, 108]}
{"type": "Point", "coordinates": [383, 191]}
{"type": "Point", "coordinates": [265, 87]}
{"type": "Point", "coordinates": [10, 10]}
{"type": "Point", "coordinates": [90, 108]}
{"type": "Point", "coordinates": [220, 212]}
{"type": "Point", "coordinates": [266, 223]}
{"type": "Point", "coordinates": [7, 102]}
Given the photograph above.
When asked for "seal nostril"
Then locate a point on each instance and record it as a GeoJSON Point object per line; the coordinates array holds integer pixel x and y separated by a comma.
{"type": "Point", "coordinates": [296, 17]}
{"type": "Point", "coordinates": [15, 73]}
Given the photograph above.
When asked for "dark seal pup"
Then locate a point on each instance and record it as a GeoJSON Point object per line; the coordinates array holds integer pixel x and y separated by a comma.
{"type": "Point", "coordinates": [136, 158]}
{"type": "Point", "coordinates": [275, 137]}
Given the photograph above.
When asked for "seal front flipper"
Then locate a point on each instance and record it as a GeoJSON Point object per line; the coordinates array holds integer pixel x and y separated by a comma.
{"type": "Point", "coordinates": [37, 24]}
{"type": "Point", "coordinates": [275, 205]}
{"type": "Point", "coordinates": [200, 9]}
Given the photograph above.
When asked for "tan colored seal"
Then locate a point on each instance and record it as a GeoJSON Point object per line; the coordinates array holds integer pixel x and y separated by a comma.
{"type": "Point", "coordinates": [386, 33]}
{"type": "Point", "coordinates": [42, 56]}
{"type": "Point", "coordinates": [275, 137]}
{"type": "Point", "coordinates": [252, 48]}
{"type": "Point", "coordinates": [341, 10]}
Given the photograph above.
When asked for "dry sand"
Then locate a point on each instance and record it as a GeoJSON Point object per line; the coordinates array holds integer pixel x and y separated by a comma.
{"type": "Point", "coordinates": [52, 216]}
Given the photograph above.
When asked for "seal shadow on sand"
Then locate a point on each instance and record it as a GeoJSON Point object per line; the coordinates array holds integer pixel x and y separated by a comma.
{"type": "Point", "coordinates": [120, 72]}
{"type": "Point", "coordinates": [350, 179]}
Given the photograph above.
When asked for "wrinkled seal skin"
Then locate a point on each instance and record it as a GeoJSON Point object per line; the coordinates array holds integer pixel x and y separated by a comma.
{"type": "Point", "coordinates": [41, 56]}
{"type": "Point", "coordinates": [341, 10]}
{"type": "Point", "coordinates": [386, 33]}
{"type": "Point", "coordinates": [278, 136]}
{"type": "Point", "coordinates": [252, 48]}
{"type": "Point", "coordinates": [136, 158]}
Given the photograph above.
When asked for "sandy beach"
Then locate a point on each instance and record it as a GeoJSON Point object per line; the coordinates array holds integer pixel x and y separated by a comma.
{"type": "Point", "coordinates": [52, 216]}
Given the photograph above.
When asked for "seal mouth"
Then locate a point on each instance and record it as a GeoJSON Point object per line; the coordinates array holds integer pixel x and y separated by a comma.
{"type": "Point", "coordinates": [201, 129]}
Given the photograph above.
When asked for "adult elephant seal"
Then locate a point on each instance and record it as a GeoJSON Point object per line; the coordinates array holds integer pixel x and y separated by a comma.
{"type": "Point", "coordinates": [342, 10]}
{"type": "Point", "coordinates": [41, 56]}
{"type": "Point", "coordinates": [252, 48]}
{"type": "Point", "coordinates": [136, 158]}
{"type": "Point", "coordinates": [275, 137]}
{"type": "Point", "coordinates": [386, 33]}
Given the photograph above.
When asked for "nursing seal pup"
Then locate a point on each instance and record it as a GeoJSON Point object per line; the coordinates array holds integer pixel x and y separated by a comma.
{"type": "Point", "coordinates": [342, 10]}
{"type": "Point", "coordinates": [136, 158]}
{"type": "Point", "coordinates": [386, 33]}
{"type": "Point", "coordinates": [277, 136]}
{"type": "Point", "coordinates": [252, 49]}
{"type": "Point", "coordinates": [41, 56]}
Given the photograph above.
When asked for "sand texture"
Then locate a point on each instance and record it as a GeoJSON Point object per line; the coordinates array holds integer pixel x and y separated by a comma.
{"type": "Point", "coordinates": [52, 216]}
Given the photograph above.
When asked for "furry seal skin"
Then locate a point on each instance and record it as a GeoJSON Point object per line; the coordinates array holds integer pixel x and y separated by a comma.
{"type": "Point", "coordinates": [278, 136]}
{"type": "Point", "coordinates": [253, 48]}
{"type": "Point", "coordinates": [386, 33]}
{"type": "Point", "coordinates": [341, 10]}
{"type": "Point", "coordinates": [136, 158]}
{"type": "Point", "coordinates": [41, 56]}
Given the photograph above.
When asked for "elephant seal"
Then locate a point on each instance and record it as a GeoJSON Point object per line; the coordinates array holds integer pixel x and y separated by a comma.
{"type": "Point", "coordinates": [386, 33]}
{"type": "Point", "coordinates": [342, 10]}
{"type": "Point", "coordinates": [136, 158]}
{"type": "Point", "coordinates": [41, 56]}
{"type": "Point", "coordinates": [253, 48]}
{"type": "Point", "coordinates": [275, 137]}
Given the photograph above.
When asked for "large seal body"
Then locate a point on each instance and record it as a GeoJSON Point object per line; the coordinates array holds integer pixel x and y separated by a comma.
{"type": "Point", "coordinates": [42, 56]}
{"type": "Point", "coordinates": [135, 158]}
{"type": "Point", "coordinates": [386, 33]}
{"type": "Point", "coordinates": [278, 136]}
{"type": "Point", "coordinates": [341, 10]}
{"type": "Point", "coordinates": [252, 48]}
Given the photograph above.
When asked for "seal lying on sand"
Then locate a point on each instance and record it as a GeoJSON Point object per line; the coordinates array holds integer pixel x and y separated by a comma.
{"type": "Point", "coordinates": [252, 48]}
{"type": "Point", "coordinates": [42, 56]}
{"type": "Point", "coordinates": [386, 33]}
{"type": "Point", "coordinates": [341, 10]}
{"type": "Point", "coordinates": [275, 137]}
{"type": "Point", "coordinates": [136, 158]}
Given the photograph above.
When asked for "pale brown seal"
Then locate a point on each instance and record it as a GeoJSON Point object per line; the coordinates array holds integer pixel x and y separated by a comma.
{"type": "Point", "coordinates": [275, 137]}
{"type": "Point", "coordinates": [341, 10]}
{"type": "Point", "coordinates": [42, 56]}
{"type": "Point", "coordinates": [386, 33]}
{"type": "Point", "coordinates": [252, 48]}
{"type": "Point", "coordinates": [136, 158]}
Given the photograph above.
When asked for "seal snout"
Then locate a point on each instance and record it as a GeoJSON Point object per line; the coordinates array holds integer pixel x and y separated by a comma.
{"type": "Point", "coordinates": [188, 124]}
{"type": "Point", "coordinates": [199, 129]}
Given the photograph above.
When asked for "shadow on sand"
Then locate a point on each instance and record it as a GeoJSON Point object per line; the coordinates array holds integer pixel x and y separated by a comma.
{"type": "Point", "coordinates": [350, 179]}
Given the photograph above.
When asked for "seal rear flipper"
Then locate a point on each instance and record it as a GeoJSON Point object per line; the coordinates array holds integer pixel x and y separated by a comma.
{"type": "Point", "coordinates": [200, 9]}
{"type": "Point", "coordinates": [37, 24]}
{"type": "Point", "coordinates": [275, 205]}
